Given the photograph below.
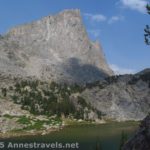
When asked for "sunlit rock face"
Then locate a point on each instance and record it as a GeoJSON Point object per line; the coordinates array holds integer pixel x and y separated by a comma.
{"type": "Point", "coordinates": [56, 47]}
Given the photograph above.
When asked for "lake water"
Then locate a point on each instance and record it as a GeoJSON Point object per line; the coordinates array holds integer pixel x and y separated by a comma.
{"type": "Point", "coordinates": [108, 135]}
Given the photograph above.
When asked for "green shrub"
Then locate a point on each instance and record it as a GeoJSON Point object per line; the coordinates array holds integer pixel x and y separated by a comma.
{"type": "Point", "coordinates": [24, 120]}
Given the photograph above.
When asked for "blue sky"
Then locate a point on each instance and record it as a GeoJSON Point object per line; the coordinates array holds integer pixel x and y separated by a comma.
{"type": "Point", "coordinates": [117, 24]}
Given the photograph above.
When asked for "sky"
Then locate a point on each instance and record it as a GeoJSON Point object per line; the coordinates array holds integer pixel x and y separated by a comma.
{"type": "Point", "coordinates": [117, 24]}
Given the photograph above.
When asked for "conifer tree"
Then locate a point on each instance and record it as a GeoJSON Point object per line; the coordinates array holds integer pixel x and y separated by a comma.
{"type": "Point", "coordinates": [147, 28]}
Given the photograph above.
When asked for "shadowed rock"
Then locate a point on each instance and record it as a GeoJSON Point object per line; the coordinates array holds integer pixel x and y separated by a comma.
{"type": "Point", "coordinates": [141, 140]}
{"type": "Point", "coordinates": [82, 73]}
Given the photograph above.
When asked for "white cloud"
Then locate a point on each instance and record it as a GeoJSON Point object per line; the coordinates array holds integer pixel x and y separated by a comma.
{"type": "Point", "coordinates": [102, 18]}
{"type": "Point", "coordinates": [138, 5]}
{"type": "Point", "coordinates": [95, 17]}
{"type": "Point", "coordinates": [95, 33]}
{"type": "Point", "coordinates": [115, 19]}
{"type": "Point", "coordinates": [118, 70]}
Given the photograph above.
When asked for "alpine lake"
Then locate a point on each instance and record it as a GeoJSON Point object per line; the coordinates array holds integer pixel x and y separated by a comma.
{"type": "Point", "coordinates": [89, 137]}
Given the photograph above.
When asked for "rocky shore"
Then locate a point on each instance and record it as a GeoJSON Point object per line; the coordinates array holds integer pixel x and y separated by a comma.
{"type": "Point", "coordinates": [141, 140]}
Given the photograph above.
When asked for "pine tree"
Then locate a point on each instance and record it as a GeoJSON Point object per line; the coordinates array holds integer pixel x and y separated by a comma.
{"type": "Point", "coordinates": [147, 28]}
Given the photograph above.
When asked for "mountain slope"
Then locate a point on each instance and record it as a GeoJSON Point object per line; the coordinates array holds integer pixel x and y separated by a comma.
{"type": "Point", "coordinates": [125, 97]}
{"type": "Point", "coordinates": [121, 98]}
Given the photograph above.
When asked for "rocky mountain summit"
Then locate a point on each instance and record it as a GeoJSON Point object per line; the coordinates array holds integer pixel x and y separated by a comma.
{"type": "Point", "coordinates": [56, 48]}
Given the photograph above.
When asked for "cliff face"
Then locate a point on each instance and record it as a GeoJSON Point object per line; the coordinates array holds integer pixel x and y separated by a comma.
{"type": "Point", "coordinates": [55, 47]}
{"type": "Point", "coordinates": [141, 140]}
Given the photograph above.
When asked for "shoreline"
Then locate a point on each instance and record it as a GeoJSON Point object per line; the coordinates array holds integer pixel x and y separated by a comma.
{"type": "Point", "coordinates": [16, 134]}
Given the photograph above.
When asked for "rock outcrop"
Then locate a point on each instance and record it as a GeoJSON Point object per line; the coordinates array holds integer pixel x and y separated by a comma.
{"type": "Point", "coordinates": [141, 140]}
{"type": "Point", "coordinates": [56, 47]}
{"type": "Point", "coordinates": [125, 97]}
